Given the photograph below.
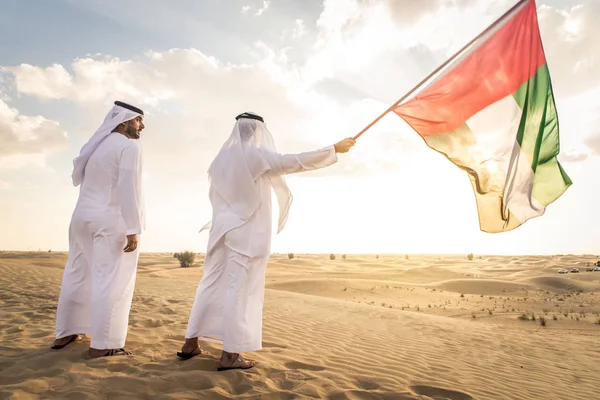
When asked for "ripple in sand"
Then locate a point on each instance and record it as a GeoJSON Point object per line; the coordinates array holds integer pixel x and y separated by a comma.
{"type": "Point", "coordinates": [301, 366]}
{"type": "Point", "coordinates": [367, 384]}
{"type": "Point", "coordinates": [440, 393]}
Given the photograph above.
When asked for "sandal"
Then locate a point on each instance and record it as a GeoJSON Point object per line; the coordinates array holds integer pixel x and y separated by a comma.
{"type": "Point", "coordinates": [112, 352]}
{"type": "Point", "coordinates": [186, 356]}
{"type": "Point", "coordinates": [239, 363]}
{"type": "Point", "coordinates": [74, 338]}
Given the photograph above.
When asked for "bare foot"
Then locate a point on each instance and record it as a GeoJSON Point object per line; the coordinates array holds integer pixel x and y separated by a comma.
{"type": "Point", "coordinates": [234, 361]}
{"type": "Point", "coordinates": [62, 342]}
{"type": "Point", "coordinates": [95, 353]}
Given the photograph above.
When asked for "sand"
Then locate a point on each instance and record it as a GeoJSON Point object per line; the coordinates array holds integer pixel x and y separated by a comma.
{"type": "Point", "coordinates": [364, 327]}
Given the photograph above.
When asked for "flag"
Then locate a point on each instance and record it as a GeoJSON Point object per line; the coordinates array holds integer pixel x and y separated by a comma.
{"type": "Point", "coordinates": [491, 112]}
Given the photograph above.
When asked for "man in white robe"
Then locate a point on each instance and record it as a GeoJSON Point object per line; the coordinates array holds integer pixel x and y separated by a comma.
{"type": "Point", "coordinates": [99, 276]}
{"type": "Point", "coordinates": [229, 299]}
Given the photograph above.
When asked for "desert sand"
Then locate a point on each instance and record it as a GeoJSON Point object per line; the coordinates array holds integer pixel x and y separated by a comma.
{"type": "Point", "coordinates": [363, 327]}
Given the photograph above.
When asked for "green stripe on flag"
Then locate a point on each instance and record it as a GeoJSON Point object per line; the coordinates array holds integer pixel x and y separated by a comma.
{"type": "Point", "coordinates": [538, 136]}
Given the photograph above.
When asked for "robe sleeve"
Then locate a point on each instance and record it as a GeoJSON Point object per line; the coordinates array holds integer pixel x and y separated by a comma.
{"type": "Point", "coordinates": [128, 186]}
{"type": "Point", "coordinates": [300, 162]}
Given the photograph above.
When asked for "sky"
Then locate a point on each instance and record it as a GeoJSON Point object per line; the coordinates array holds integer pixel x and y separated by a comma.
{"type": "Point", "coordinates": [317, 71]}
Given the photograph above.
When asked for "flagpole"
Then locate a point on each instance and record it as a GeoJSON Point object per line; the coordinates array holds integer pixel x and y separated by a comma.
{"type": "Point", "coordinates": [448, 61]}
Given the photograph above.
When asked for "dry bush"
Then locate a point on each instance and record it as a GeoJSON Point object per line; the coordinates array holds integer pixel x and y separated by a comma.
{"type": "Point", "coordinates": [186, 259]}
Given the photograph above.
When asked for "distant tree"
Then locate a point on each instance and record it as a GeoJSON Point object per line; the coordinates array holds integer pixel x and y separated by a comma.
{"type": "Point", "coordinates": [186, 259]}
{"type": "Point", "coordinates": [406, 257]}
{"type": "Point", "coordinates": [377, 256]}
{"type": "Point", "coordinates": [470, 256]}
{"type": "Point", "coordinates": [332, 256]}
{"type": "Point", "coordinates": [343, 256]}
{"type": "Point", "coordinates": [176, 255]}
{"type": "Point", "coordinates": [291, 256]}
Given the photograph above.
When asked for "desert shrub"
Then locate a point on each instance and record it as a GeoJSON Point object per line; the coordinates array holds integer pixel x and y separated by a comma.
{"type": "Point", "coordinates": [186, 259]}
{"type": "Point", "coordinates": [343, 256]}
{"type": "Point", "coordinates": [542, 321]}
{"type": "Point", "coordinates": [291, 256]}
{"type": "Point", "coordinates": [176, 255]}
{"type": "Point", "coordinates": [332, 256]}
{"type": "Point", "coordinates": [470, 256]}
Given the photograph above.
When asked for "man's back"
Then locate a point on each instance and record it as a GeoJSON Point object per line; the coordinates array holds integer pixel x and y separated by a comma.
{"type": "Point", "coordinates": [99, 190]}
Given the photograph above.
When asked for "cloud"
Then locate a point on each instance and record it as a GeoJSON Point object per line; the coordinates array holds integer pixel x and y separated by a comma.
{"type": "Point", "coordinates": [259, 9]}
{"type": "Point", "coordinates": [191, 100]}
{"type": "Point", "coordinates": [572, 47]}
{"type": "Point", "coordinates": [359, 46]}
{"type": "Point", "coordinates": [573, 156]}
{"type": "Point", "coordinates": [22, 135]}
{"type": "Point", "coordinates": [92, 80]}
{"type": "Point", "coordinates": [593, 142]}
{"type": "Point", "coordinates": [365, 57]}
{"type": "Point", "coordinates": [411, 11]}
{"type": "Point", "coordinates": [381, 49]}
{"type": "Point", "coordinates": [299, 29]}
{"type": "Point", "coordinates": [362, 42]}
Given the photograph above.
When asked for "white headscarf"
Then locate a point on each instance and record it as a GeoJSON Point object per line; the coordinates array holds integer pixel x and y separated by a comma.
{"type": "Point", "coordinates": [240, 162]}
{"type": "Point", "coordinates": [115, 116]}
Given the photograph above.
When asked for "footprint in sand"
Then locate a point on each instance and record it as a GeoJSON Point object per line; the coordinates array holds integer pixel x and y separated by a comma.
{"type": "Point", "coordinates": [120, 366]}
{"type": "Point", "coordinates": [438, 393]}
{"type": "Point", "coordinates": [366, 384]}
{"type": "Point", "coordinates": [155, 323]}
{"type": "Point", "coordinates": [167, 311]}
{"type": "Point", "coordinates": [300, 365]}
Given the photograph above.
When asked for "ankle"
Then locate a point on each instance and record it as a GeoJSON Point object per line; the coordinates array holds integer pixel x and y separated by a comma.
{"type": "Point", "coordinates": [229, 356]}
{"type": "Point", "coordinates": [190, 344]}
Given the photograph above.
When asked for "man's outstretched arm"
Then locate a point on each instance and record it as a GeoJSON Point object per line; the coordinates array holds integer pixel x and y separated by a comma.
{"type": "Point", "coordinates": [307, 161]}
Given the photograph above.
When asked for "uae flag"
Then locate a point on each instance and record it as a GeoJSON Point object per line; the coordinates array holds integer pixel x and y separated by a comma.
{"type": "Point", "coordinates": [490, 110]}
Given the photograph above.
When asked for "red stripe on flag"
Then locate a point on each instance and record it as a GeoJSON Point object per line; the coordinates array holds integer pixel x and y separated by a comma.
{"type": "Point", "coordinates": [493, 71]}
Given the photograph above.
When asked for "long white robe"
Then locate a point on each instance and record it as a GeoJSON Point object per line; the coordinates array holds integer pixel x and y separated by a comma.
{"type": "Point", "coordinates": [230, 296]}
{"type": "Point", "coordinates": [99, 277]}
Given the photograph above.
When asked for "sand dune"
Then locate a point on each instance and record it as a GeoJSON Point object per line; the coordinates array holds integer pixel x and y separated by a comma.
{"type": "Point", "coordinates": [483, 286]}
{"type": "Point", "coordinates": [557, 283]}
{"type": "Point", "coordinates": [426, 327]}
